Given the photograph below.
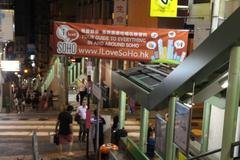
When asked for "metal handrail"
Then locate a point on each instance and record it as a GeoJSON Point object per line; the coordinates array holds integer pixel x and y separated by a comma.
{"type": "Point", "coordinates": [217, 150]}
{"type": "Point", "coordinates": [205, 154]}
{"type": "Point", "coordinates": [35, 146]}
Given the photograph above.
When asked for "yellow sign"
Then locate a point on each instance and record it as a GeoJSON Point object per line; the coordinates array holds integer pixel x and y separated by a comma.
{"type": "Point", "coordinates": [181, 156]}
{"type": "Point", "coordinates": [163, 8]}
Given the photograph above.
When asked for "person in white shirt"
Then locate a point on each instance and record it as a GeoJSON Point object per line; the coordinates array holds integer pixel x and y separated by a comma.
{"type": "Point", "coordinates": [82, 110]}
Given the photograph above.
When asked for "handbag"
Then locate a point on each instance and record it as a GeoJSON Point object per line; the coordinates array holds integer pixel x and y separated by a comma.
{"type": "Point", "coordinates": [56, 139]}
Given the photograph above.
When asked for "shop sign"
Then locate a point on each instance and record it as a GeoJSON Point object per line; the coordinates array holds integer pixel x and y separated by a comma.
{"type": "Point", "coordinates": [119, 42]}
{"type": "Point", "coordinates": [120, 12]}
{"type": "Point", "coordinates": [6, 25]}
{"type": "Point", "coordinates": [10, 66]}
{"type": "Point", "coordinates": [163, 8]}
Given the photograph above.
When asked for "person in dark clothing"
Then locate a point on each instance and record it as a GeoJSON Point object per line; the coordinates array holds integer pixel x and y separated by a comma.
{"type": "Point", "coordinates": [114, 129]}
{"type": "Point", "coordinates": [102, 122]}
{"type": "Point", "coordinates": [64, 129]}
{"type": "Point", "coordinates": [150, 130]}
{"type": "Point", "coordinates": [35, 100]}
{"type": "Point", "coordinates": [20, 98]}
{"type": "Point", "coordinates": [150, 145]}
{"type": "Point", "coordinates": [50, 99]}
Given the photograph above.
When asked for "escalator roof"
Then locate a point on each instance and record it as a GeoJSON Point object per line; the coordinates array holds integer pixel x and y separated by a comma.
{"type": "Point", "coordinates": [151, 89]}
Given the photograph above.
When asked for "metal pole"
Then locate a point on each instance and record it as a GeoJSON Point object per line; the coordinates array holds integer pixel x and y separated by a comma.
{"type": "Point", "coordinates": [170, 129]}
{"type": "Point", "coordinates": [98, 110]}
{"type": "Point", "coordinates": [205, 126]}
{"type": "Point", "coordinates": [232, 101]}
{"type": "Point", "coordinates": [97, 138]}
{"type": "Point", "coordinates": [122, 109]}
{"type": "Point", "coordinates": [66, 80]}
{"type": "Point", "coordinates": [144, 129]}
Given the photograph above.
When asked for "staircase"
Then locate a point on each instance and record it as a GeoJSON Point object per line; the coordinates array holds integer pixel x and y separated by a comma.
{"type": "Point", "coordinates": [16, 136]}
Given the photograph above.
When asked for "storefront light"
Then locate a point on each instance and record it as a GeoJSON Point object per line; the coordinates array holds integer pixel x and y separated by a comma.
{"type": "Point", "coordinates": [32, 57]}
{"type": "Point", "coordinates": [33, 64]}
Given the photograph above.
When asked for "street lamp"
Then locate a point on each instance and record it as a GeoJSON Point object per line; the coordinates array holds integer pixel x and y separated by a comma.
{"type": "Point", "coordinates": [25, 71]}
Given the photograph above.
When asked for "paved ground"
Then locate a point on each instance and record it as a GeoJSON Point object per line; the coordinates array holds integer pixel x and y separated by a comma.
{"type": "Point", "coordinates": [16, 134]}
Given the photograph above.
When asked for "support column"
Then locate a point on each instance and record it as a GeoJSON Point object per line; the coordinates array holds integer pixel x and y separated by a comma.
{"type": "Point", "coordinates": [82, 65]}
{"type": "Point", "coordinates": [74, 72]}
{"type": "Point", "coordinates": [205, 126]}
{"type": "Point", "coordinates": [170, 149]}
{"type": "Point", "coordinates": [79, 70]}
{"type": "Point", "coordinates": [66, 80]}
{"type": "Point", "coordinates": [144, 129]}
{"type": "Point", "coordinates": [122, 109]}
{"type": "Point", "coordinates": [232, 101]}
{"type": "Point", "coordinates": [70, 75]}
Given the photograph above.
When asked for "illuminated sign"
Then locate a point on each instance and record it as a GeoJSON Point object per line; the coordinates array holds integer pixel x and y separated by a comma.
{"type": "Point", "coordinates": [119, 42]}
{"type": "Point", "coordinates": [10, 66]}
{"type": "Point", "coordinates": [6, 25]}
{"type": "Point", "coordinates": [163, 8]}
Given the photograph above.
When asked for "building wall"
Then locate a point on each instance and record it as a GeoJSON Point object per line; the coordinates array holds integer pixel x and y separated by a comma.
{"type": "Point", "coordinates": [140, 16]}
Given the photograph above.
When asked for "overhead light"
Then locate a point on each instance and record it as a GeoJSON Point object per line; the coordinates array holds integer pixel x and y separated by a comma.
{"type": "Point", "coordinates": [189, 105]}
{"type": "Point", "coordinates": [10, 65]}
{"type": "Point", "coordinates": [32, 57]}
{"type": "Point", "coordinates": [224, 84]}
{"type": "Point", "coordinates": [33, 64]}
{"type": "Point", "coordinates": [224, 81]}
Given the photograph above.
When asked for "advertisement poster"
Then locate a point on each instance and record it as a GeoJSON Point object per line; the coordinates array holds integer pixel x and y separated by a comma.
{"type": "Point", "coordinates": [120, 12]}
{"type": "Point", "coordinates": [160, 136]}
{"type": "Point", "coordinates": [163, 8]}
{"type": "Point", "coordinates": [119, 42]}
{"type": "Point", "coordinates": [182, 127]}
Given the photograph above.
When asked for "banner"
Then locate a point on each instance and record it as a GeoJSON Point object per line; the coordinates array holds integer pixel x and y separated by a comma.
{"type": "Point", "coordinates": [163, 8]}
{"type": "Point", "coordinates": [119, 42]}
{"type": "Point", "coordinates": [120, 12]}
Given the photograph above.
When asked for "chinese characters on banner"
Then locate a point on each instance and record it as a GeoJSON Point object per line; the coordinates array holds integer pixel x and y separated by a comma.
{"type": "Point", "coordinates": [163, 8]}
{"type": "Point", "coordinates": [119, 42]}
{"type": "Point", "coordinates": [120, 12]}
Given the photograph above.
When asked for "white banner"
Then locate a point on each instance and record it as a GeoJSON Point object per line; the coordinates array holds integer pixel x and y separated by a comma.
{"type": "Point", "coordinates": [6, 25]}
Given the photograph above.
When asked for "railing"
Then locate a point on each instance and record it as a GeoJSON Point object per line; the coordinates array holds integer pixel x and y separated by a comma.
{"type": "Point", "coordinates": [205, 154]}
{"type": "Point", "coordinates": [218, 150]}
{"type": "Point", "coordinates": [35, 147]}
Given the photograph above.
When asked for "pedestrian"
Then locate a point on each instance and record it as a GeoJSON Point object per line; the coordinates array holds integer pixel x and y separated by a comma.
{"type": "Point", "coordinates": [102, 122]}
{"type": "Point", "coordinates": [82, 110]}
{"type": "Point", "coordinates": [89, 86]}
{"type": "Point", "coordinates": [50, 99]}
{"type": "Point", "coordinates": [44, 100]}
{"type": "Point", "coordinates": [19, 96]}
{"type": "Point", "coordinates": [35, 99]}
{"type": "Point", "coordinates": [131, 105]}
{"type": "Point", "coordinates": [82, 90]}
{"type": "Point", "coordinates": [150, 145]}
{"type": "Point", "coordinates": [151, 129]}
{"type": "Point", "coordinates": [28, 100]}
{"type": "Point", "coordinates": [114, 129]}
{"type": "Point", "coordinates": [64, 129]}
